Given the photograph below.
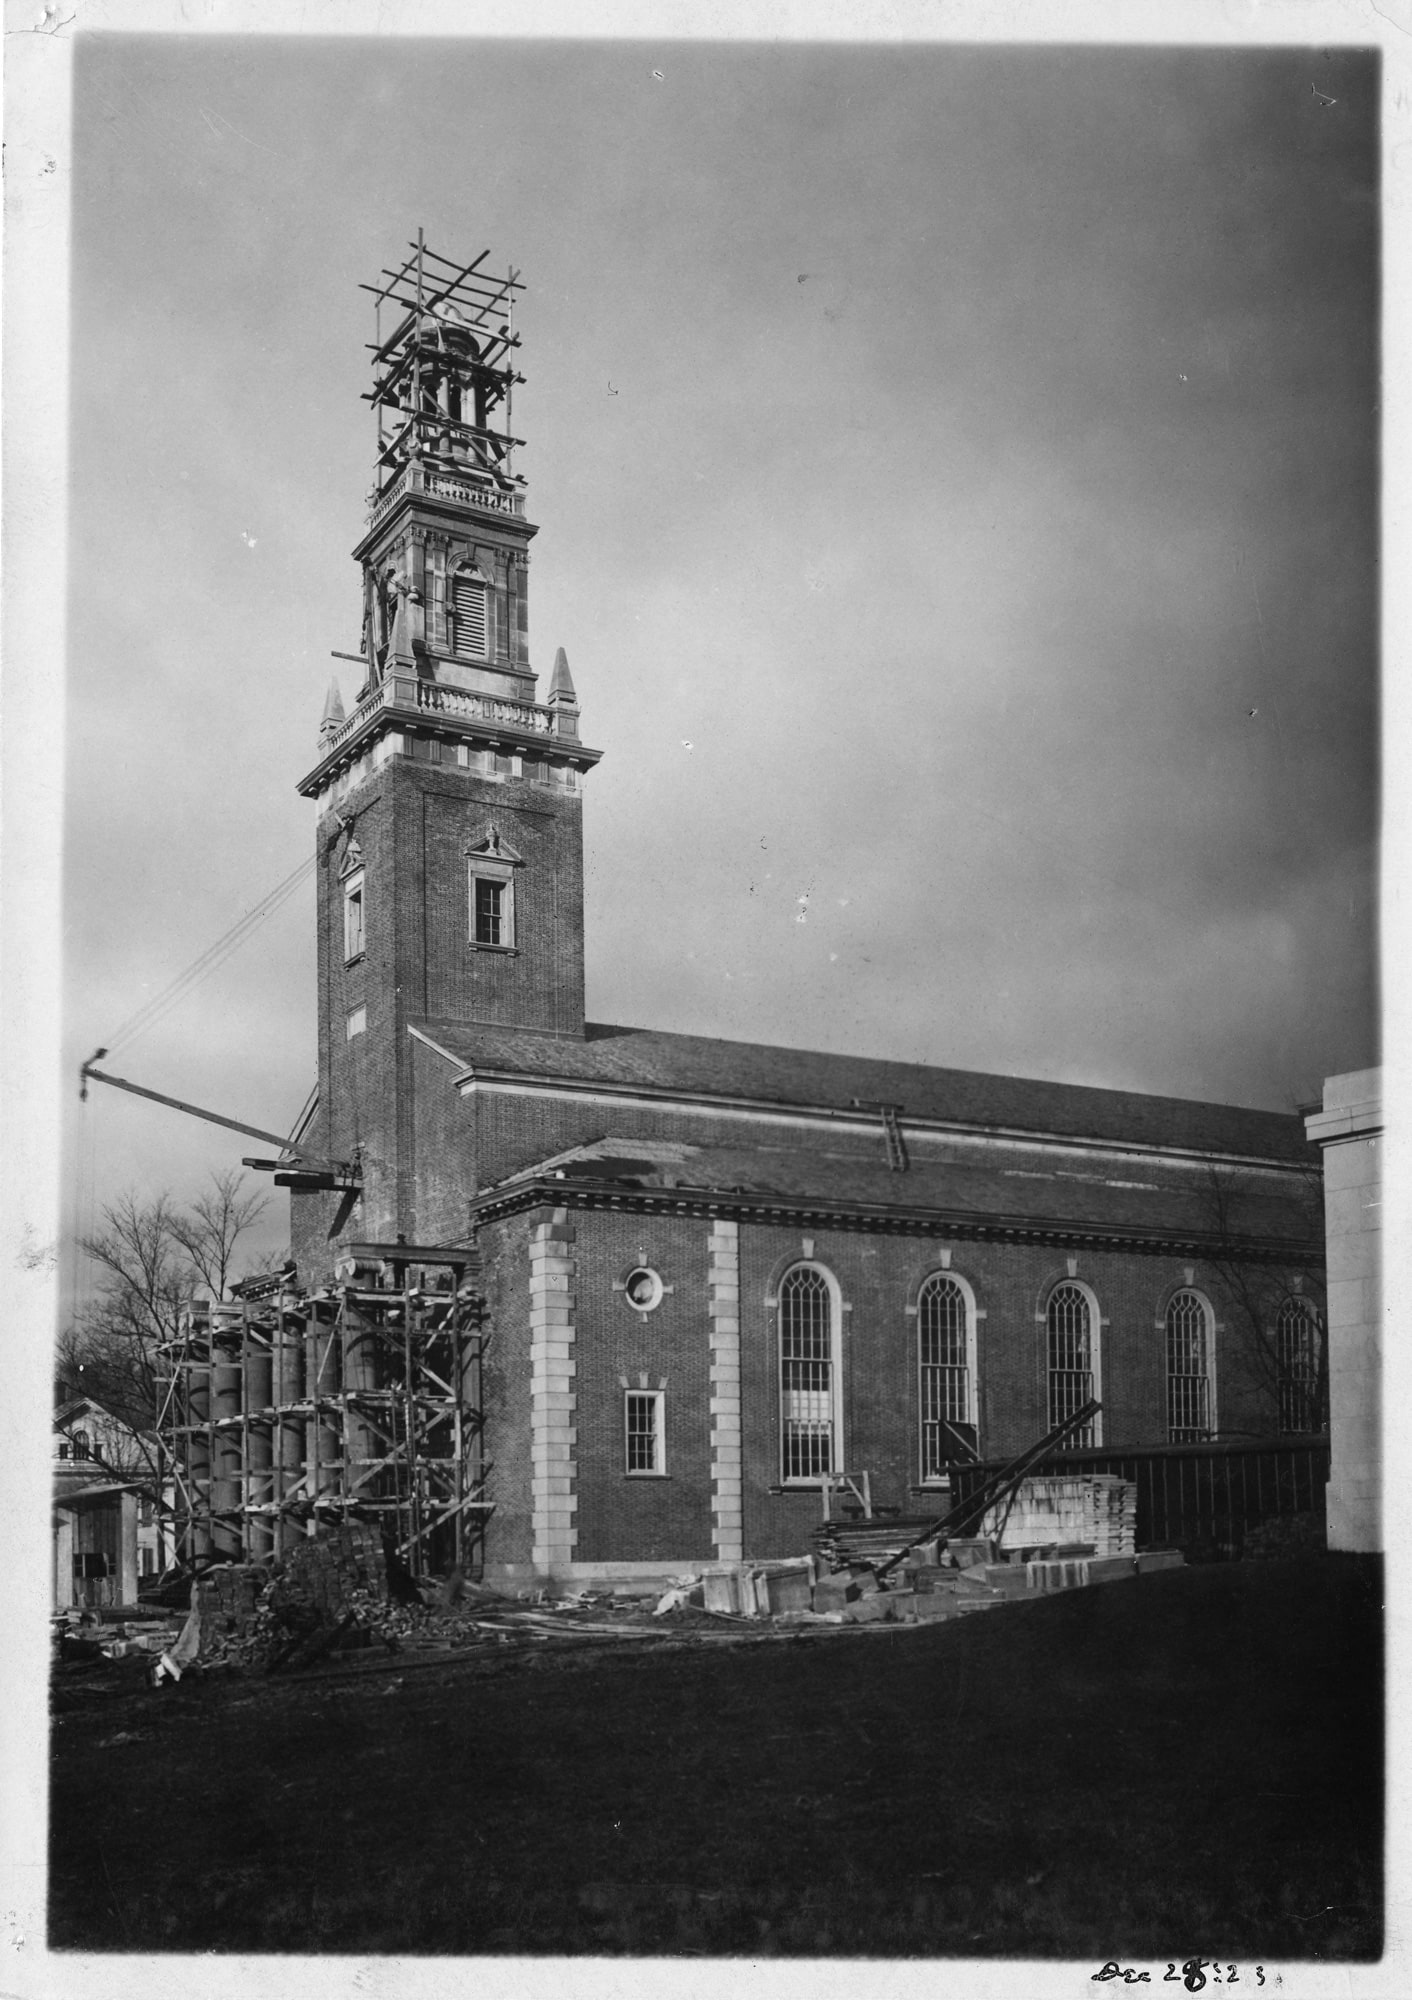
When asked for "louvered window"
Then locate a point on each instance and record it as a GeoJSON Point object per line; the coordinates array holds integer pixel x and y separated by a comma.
{"type": "Point", "coordinates": [469, 617]}
{"type": "Point", "coordinates": [808, 1375]}
{"type": "Point", "coordinates": [1072, 1339]}
{"type": "Point", "coordinates": [1188, 1369]}
{"type": "Point", "coordinates": [948, 1410]}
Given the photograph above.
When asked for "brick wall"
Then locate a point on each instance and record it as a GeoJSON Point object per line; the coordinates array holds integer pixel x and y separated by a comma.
{"type": "Point", "coordinates": [640, 1519]}
{"type": "Point", "coordinates": [618, 1519]}
{"type": "Point", "coordinates": [414, 822]}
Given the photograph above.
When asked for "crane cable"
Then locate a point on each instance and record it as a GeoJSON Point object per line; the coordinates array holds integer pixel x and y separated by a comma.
{"type": "Point", "coordinates": [151, 1011]}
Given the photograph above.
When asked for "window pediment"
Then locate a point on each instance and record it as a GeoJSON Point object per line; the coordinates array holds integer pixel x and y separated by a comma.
{"type": "Point", "coordinates": [489, 846]}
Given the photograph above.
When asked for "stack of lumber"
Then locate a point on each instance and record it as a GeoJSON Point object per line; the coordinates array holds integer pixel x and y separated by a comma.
{"type": "Point", "coordinates": [1096, 1508]}
{"type": "Point", "coordinates": [842, 1543]}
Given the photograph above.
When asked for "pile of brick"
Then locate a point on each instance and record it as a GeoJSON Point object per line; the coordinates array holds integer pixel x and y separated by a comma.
{"type": "Point", "coordinates": [258, 1614]}
{"type": "Point", "coordinates": [228, 1599]}
{"type": "Point", "coordinates": [1094, 1510]}
{"type": "Point", "coordinates": [324, 1573]}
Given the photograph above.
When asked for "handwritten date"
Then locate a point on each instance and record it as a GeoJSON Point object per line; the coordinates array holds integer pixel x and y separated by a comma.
{"type": "Point", "coordinates": [1193, 1974]}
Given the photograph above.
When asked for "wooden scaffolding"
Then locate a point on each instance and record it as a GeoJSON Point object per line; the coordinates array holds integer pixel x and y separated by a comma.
{"type": "Point", "coordinates": [282, 1407]}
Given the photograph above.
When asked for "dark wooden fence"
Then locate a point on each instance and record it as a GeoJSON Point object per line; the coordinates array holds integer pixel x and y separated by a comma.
{"type": "Point", "coordinates": [1204, 1499]}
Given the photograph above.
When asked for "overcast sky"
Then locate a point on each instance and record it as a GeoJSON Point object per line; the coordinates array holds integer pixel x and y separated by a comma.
{"type": "Point", "coordinates": [956, 472]}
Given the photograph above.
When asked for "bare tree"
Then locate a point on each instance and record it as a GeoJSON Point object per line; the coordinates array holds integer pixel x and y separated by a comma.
{"type": "Point", "coordinates": [152, 1257]}
{"type": "Point", "coordinates": [1261, 1272]}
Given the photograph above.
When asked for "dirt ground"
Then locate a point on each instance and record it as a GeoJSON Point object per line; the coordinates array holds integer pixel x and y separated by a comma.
{"type": "Point", "coordinates": [1181, 1764]}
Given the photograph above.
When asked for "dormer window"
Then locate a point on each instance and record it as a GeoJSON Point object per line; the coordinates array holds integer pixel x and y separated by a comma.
{"type": "Point", "coordinates": [470, 616]}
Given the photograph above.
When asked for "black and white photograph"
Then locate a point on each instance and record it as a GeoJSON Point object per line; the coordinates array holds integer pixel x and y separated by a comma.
{"type": "Point", "coordinates": [694, 722]}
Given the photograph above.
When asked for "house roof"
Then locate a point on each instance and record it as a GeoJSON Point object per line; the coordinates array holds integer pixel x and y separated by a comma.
{"type": "Point", "coordinates": [640, 1060]}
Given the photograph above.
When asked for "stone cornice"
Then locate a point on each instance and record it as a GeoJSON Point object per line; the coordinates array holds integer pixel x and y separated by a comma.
{"type": "Point", "coordinates": [887, 1218]}
{"type": "Point", "coordinates": [525, 728]}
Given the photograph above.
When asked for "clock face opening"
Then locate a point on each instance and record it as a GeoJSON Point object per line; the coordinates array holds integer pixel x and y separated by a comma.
{"type": "Point", "coordinates": [643, 1288]}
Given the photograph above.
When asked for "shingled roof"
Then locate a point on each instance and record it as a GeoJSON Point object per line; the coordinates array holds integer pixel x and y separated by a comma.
{"type": "Point", "coordinates": [699, 1066]}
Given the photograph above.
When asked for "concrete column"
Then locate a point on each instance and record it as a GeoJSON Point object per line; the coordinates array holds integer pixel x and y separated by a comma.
{"type": "Point", "coordinates": [1349, 1130]}
{"type": "Point", "coordinates": [227, 1458]}
{"type": "Point", "coordinates": [361, 1445]}
{"type": "Point", "coordinates": [288, 1358]}
{"type": "Point", "coordinates": [553, 1400]}
{"type": "Point", "coordinates": [322, 1378]}
{"type": "Point", "coordinates": [197, 1454]}
{"type": "Point", "coordinates": [723, 1310]}
{"type": "Point", "coordinates": [259, 1442]}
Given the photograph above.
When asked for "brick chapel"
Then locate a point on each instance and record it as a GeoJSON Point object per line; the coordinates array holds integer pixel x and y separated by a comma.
{"type": "Point", "coordinates": [713, 1271]}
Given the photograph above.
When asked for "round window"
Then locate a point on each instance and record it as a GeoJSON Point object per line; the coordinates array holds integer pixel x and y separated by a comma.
{"type": "Point", "coordinates": [643, 1288]}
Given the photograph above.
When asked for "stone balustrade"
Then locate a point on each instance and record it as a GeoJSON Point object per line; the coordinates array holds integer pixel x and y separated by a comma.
{"type": "Point", "coordinates": [487, 499]}
{"type": "Point", "coordinates": [429, 699]}
{"type": "Point", "coordinates": [483, 707]}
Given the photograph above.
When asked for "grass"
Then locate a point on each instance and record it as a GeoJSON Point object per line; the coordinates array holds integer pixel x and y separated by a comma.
{"type": "Point", "coordinates": [1183, 1764]}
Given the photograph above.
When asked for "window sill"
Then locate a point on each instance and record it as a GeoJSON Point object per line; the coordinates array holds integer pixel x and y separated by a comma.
{"type": "Point", "coordinates": [647, 1475]}
{"type": "Point", "coordinates": [500, 950]}
{"type": "Point", "coordinates": [356, 959]}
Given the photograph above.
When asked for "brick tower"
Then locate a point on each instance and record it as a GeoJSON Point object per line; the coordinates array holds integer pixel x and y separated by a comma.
{"type": "Point", "coordinates": [449, 839]}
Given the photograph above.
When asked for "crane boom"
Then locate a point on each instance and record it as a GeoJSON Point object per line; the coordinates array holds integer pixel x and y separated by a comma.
{"type": "Point", "coordinates": [212, 1118]}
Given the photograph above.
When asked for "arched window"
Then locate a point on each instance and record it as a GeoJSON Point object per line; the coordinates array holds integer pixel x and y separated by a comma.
{"type": "Point", "coordinates": [1299, 1367]}
{"type": "Point", "coordinates": [1189, 1347]}
{"type": "Point", "coordinates": [811, 1440]}
{"type": "Point", "coordinates": [947, 1378]}
{"type": "Point", "coordinates": [1071, 1326]}
{"type": "Point", "coordinates": [82, 1447]}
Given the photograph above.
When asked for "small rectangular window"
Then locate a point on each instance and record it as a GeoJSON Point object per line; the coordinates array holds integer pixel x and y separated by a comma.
{"type": "Point", "coordinates": [490, 901]}
{"type": "Point", "coordinates": [353, 934]}
{"type": "Point", "coordinates": [644, 1428]}
{"type": "Point", "coordinates": [357, 1022]}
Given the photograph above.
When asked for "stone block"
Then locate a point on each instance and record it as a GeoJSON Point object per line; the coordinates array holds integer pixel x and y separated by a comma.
{"type": "Point", "coordinates": [931, 1608]}
{"type": "Point", "coordinates": [1151, 1560]}
{"type": "Point", "coordinates": [1111, 1569]}
{"type": "Point", "coordinates": [866, 1610]}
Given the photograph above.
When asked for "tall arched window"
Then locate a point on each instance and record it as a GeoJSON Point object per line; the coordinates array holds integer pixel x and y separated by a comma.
{"type": "Point", "coordinates": [1189, 1399]}
{"type": "Point", "coordinates": [811, 1441]}
{"type": "Point", "coordinates": [1071, 1326]}
{"type": "Point", "coordinates": [1299, 1367]}
{"type": "Point", "coordinates": [947, 1378]}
